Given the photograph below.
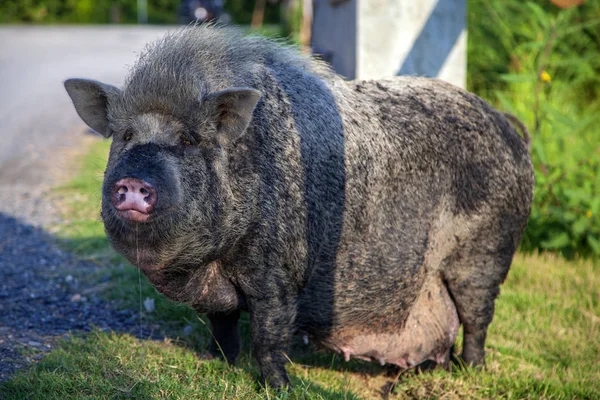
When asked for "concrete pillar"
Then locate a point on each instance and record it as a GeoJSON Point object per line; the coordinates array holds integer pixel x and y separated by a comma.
{"type": "Point", "coordinates": [369, 39]}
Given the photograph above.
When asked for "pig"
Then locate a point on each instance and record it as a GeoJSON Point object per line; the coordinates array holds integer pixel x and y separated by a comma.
{"type": "Point", "coordinates": [374, 217]}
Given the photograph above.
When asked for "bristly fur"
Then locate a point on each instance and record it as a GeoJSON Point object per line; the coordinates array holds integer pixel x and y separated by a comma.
{"type": "Point", "coordinates": [373, 216]}
{"type": "Point", "coordinates": [189, 63]}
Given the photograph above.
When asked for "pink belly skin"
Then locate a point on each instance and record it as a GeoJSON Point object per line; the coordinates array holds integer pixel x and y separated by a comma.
{"type": "Point", "coordinates": [427, 334]}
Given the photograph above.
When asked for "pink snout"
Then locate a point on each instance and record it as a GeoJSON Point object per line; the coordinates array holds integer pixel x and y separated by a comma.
{"type": "Point", "coordinates": [134, 199]}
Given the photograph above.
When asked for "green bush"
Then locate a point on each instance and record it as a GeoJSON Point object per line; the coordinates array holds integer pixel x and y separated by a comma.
{"type": "Point", "coordinates": [543, 65]}
{"type": "Point", "coordinates": [84, 11]}
{"type": "Point", "coordinates": [100, 11]}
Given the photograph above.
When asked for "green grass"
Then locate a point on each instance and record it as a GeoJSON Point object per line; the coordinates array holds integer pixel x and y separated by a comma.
{"type": "Point", "coordinates": [544, 341]}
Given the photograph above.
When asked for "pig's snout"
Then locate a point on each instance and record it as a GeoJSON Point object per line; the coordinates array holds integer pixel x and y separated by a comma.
{"type": "Point", "coordinates": [134, 199]}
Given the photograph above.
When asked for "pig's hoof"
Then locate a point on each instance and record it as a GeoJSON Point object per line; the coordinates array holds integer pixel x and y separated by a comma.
{"type": "Point", "coordinates": [277, 382]}
{"type": "Point", "coordinates": [207, 356]}
{"type": "Point", "coordinates": [426, 366]}
{"type": "Point", "coordinates": [218, 355]}
{"type": "Point", "coordinates": [463, 363]}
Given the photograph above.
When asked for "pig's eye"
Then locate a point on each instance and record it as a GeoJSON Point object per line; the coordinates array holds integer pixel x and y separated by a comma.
{"type": "Point", "coordinates": [128, 135]}
{"type": "Point", "coordinates": [186, 140]}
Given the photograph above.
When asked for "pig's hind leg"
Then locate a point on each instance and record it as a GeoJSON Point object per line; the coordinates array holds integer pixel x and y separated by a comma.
{"type": "Point", "coordinates": [473, 277]}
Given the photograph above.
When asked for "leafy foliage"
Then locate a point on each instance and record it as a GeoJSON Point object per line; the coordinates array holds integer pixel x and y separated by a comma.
{"type": "Point", "coordinates": [542, 64]}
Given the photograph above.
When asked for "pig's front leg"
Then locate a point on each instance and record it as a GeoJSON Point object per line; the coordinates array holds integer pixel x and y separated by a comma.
{"type": "Point", "coordinates": [271, 321]}
{"type": "Point", "coordinates": [225, 335]}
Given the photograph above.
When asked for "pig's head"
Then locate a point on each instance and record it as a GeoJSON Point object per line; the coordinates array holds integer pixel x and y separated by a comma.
{"type": "Point", "coordinates": [167, 196]}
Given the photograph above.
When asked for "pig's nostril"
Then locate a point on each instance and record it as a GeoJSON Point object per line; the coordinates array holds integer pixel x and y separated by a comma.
{"type": "Point", "coordinates": [134, 194]}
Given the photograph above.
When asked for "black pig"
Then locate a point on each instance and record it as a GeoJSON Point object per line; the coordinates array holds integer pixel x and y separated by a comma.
{"type": "Point", "coordinates": [375, 217]}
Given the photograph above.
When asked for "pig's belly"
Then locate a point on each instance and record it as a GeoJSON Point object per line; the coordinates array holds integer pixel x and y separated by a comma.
{"type": "Point", "coordinates": [427, 334]}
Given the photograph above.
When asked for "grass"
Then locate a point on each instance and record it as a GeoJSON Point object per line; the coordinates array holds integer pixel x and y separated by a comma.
{"type": "Point", "coordinates": [544, 341]}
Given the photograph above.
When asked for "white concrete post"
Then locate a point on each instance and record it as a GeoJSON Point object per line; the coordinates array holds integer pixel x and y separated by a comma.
{"type": "Point", "coordinates": [368, 39]}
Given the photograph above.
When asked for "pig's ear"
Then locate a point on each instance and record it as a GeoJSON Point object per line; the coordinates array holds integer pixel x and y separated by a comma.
{"type": "Point", "coordinates": [231, 110]}
{"type": "Point", "coordinates": [90, 99]}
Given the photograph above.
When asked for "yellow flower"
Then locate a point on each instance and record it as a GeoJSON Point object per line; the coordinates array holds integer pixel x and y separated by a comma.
{"type": "Point", "coordinates": [545, 76]}
{"type": "Point", "coordinates": [589, 214]}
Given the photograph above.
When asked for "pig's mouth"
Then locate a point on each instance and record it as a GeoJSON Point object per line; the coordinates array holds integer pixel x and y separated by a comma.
{"type": "Point", "coordinates": [133, 215]}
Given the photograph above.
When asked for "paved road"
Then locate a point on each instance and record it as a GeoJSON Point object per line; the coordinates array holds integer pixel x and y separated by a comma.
{"type": "Point", "coordinates": [37, 120]}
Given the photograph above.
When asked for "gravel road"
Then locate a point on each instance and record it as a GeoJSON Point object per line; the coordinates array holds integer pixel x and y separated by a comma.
{"type": "Point", "coordinates": [40, 299]}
